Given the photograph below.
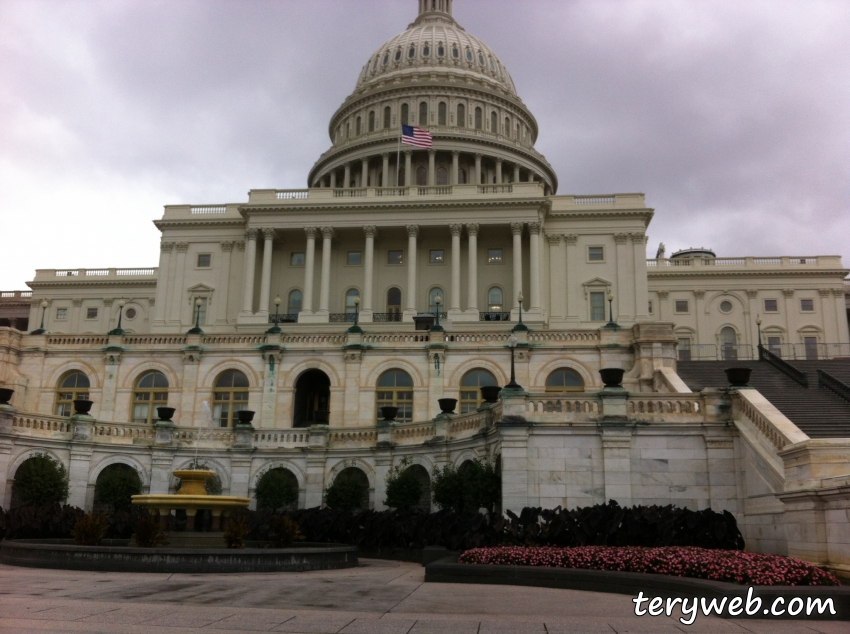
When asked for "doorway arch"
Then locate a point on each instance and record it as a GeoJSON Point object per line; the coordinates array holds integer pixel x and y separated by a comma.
{"type": "Point", "coordinates": [312, 399]}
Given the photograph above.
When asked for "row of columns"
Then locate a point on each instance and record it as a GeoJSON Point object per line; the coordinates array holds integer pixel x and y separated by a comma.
{"type": "Point", "coordinates": [370, 231]}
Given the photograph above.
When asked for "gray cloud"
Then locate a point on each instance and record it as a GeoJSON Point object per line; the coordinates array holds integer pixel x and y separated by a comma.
{"type": "Point", "coordinates": [730, 116]}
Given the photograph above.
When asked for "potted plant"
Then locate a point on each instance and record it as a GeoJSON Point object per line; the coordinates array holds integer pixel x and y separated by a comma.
{"type": "Point", "coordinates": [245, 416]}
{"type": "Point", "coordinates": [612, 377]}
{"type": "Point", "coordinates": [82, 406]}
{"type": "Point", "coordinates": [165, 414]}
{"type": "Point", "coordinates": [490, 393]}
{"type": "Point", "coordinates": [738, 377]}
{"type": "Point", "coordinates": [447, 405]}
{"type": "Point", "coordinates": [389, 412]}
{"type": "Point", "coordinates": [5, 395]}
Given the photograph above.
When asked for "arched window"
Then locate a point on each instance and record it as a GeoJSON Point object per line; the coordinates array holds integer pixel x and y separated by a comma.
{"type": "Point", "coordinates": [442, 113]}
{"type": "Point", "coordinates": [442, 176]}
{"type": "Point", "coordinates": [386, 59]}
{"type": "Point", "coordinates": [461, 115]}
{"type": "Point", "coordinates": [423, 114]}
{"type": "Point", "coordinates": [507, 126]}
{"type": "Point", "coordinates": [347, 130]}
{"type": "Point", "coordinates": [729, 343]}
{"type": "Point", "coordinates": [455, 52]}
{"type": "Point", "coordinates": [470, 392]}
{"type": "Point", "coordinates": [405, 114]}
{"type": "Point", "coordinates": [371, 121]}
{"type": "Point", "coordinates": [494, 123]}
{"type": "Point", "coordinates": [398, 54]}
{"type": "Point", "coordinates": [151, 392]}
{"type": "Point", "coordinates": [494, 299]}
{"type": "Point", "coordinates": [478, 118]}
{"type": "Point", "coordinates": [426, 50]}
{"type": "Point", "coordinates": [461, 177]}
{"type": "Point", "coordinates": [74, 385]}
{"type": "Point", "coordinates": [421, 176]}
{"type": "Point", "coordinates": [296, 298]}
{"type": "Point", "coordinates": [411, 52]}
{"type": "Point", "coordinates": [468, 55]}
{"type": "Point", "coordinates": [230, 396]}
{"type": "Point", "coordinates": [358, 127]}
{"type": "Point", "coordinates": [395, 388]}
{"type": "Point", "coordinates": [441, 50]}
{"type": "Point", "coordinates": [350, 304]}
{"type": "Point", "coordinates": [480, 58]}
{"type": "Point", "coordinates": [564, 380]}
{"type": "Point", "coordinates": [388, 117]}
{"type": "Point", "coordinates": [375, 64]}
{"type": "Point", "coordinates": [394, 301]}
{"type": "Point", "coordinates": [433, 294]}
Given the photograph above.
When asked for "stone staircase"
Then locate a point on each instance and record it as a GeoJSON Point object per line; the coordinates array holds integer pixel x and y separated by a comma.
{"type": "Point", "coordinates": [818, 412]}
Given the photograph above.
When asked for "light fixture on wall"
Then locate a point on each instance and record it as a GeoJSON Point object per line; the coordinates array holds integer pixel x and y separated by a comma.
{"type": "Point", "coordinates": [275, 329]}
{"type": "Point", "coordinates": [520, 327]}
{"type": "Point", "coordinates": [197, 329]}
{"type": "Point", "coordinates": [40, 330]}
{"type": "Point", "coordinates": [512, 344]}
{"type": "Point", "coordinates": [356, 327]}
{"type": "Point", "coordinates": [613, 325]}
{"type": "Point", "coordinates": [437, 327]}
{"type": "Point", "coordinates": [119, 331]}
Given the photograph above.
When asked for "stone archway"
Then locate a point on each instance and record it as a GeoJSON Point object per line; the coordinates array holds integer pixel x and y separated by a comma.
{"type": "Point", "coordinates": [424, 480]}
{"type": "Point", "coordinates": [312, 399]}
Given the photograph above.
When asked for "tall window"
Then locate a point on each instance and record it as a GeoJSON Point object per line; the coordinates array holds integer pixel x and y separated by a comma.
{"type": "Point", "coordinates": [395, 388]}
{"type": "Point", "coordinates": [470, 392]}
{"type": "Point", "coordinates": [494, 300]}
{"type": "Point", "coordinates": [201, 311]}
{"type": "Point", "coordinates": [73, 386]}
{"type": "Point", "coordinates": [597, 306]}
{"type": "Point", "coordinates": [729, 343]}
{"type": "Point", "coordinates": [461, 177]}
{"type": "Point", "coordinates": [421, 176]}
{"type": "Point", "coordinates": [230, 396]}
{"type": "Point", "coordinates": [442, 113]}
{"type": "Point", "coordinates": [405, 114]}
{"type": "Point", "coordinates": [494, 123]}
{"type": "Point", "coordinates": [507, 127]}
{"type": "Point", "coordinates": [423, 114]}
{"type": "Point", "coordinates": [151, 392]}
{"type": "Point", "coordinates": [358, 127]}
{"type": "Point", "coordinates": [461, 115]}
{"type": "Point", "coordinates": [388, 117]}
{"type": "Point", "coordinates": [684, 348]}
{"type": "Point", "coordinates": [433, 294]}
{"type": "Point", "coordinates": [296, 298]}
{"type": "Point", "coordinates": [564, 380]}
{"type": "Point", "coordinates": [351, 305]}
{"type": "Point", "coordinates": [478, 118]}
{"type": "Point", "coordinates": [371, 121]}
{"type": "Point", "coordinates": [394, 301]}
{"type": "Point", "coordinates": [442, 176]}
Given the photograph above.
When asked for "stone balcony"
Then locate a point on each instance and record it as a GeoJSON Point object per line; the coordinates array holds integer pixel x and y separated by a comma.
{"type": "Point", "coordinates": [691, 266]}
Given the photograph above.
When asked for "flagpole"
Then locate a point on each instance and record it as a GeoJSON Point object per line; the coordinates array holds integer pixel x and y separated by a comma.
{"type": "Point", "coordinates": [397, 159]}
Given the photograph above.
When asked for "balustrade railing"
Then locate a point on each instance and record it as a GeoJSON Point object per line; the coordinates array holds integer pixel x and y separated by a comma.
{"type": "Point", "coordinates": [36, 422]}
{"type": "Point", "coordinates": [122, 433]}
{"type": "Point", "coordinates": [387, 317]}
{"type": "Point", "coordinates": [836, 386]}
{"type": "Point", "coordinates": [283, 318]}
{"type": "Point", "coordinates": [769, 421]}
{"type": "Point", "coordinates": [15, 294]}
{"type": "Point", "coordinates": [494, 316]}
{"type": "Point", "coordinates": [783, 366]}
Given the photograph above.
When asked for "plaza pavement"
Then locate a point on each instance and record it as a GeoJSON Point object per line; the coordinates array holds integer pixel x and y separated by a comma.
{"type": "Point", "coordinates": [378, 597]}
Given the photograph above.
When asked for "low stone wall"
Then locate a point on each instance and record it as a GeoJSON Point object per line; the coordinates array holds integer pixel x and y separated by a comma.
{"type": "Point", "coordinates": [67, 556]}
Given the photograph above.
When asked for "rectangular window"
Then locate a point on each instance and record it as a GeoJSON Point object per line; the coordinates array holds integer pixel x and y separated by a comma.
{"type": "Point", "coordinates": [649, 308]}
{"type": "Point", "coordinates": [355, 258]}
{"type": "Point", "coordinates": [395, 257]}
{"type": "Point", "coordinates": [438, 256]}
{"type": "Point", "coordinates": [494, 256]}
{"type": "Point", "coordinates": [597, 306]}
{"type": "Point", "coordinates": [91, 313]}
{"type": "Point", "coordinates": [811, 347]}
{"type": "Point", "coordinates": [204, 260]}
{"type": "Point", "coordinates": [770, 306]}
{"type": "Point", "coordinates": [681, 305]}
{"type": "Point", "coordinates": [774, 345]}
{"type": "Point", "coordinates": [202, 311]}
{"type": "Point", "coordinates": [296, 259]}
{"type": "Point", "coordinates": [684, 349]}
{"type": "Point", "coordinates": [596, 254]}
{"type": "Point", "coordinates": [807, 305]}
{"type": "Point", "coordinates": [61, 313]}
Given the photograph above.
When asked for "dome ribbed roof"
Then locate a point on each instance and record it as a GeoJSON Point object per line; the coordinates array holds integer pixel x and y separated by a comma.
{"type": "Point", "coordinates": [435, 43]}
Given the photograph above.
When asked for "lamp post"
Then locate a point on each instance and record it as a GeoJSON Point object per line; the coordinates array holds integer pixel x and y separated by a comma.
{"type": "Point", "coordinates": [513, 385]}
{"type": "Point", "coordinates": [356, 327]}
{"type": "Point", "coordinates": [437, 327]}
{"type": "Point", "coordinates": [197, 329]}
{"type": "Point", "coordinates": [119, 331]}
{"type": "Point", "coordinates": [40, 330]}
{"type": "Point", "coordinates": [611, 323]}
{"type": "Point", "coordinates": [275, 329]}
{"type": "Point", "coordinates": [758, 327]}
{"type": "Point", "coordinates": [521, 327]}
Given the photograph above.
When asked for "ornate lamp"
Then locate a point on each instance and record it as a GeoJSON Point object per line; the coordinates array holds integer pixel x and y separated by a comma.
{"type": "Point", "coordinates": [197, 329]}
{"type": "Point", "coordinates": [613, 325]}
{"type": "Point", "coordinates": [437, 327]}
{"type": "Point", "coordinates": [275, 329]}
{"type": "Point", "coordinates": [520, 326]}
{"type": "Point", "coordinates": [119, 331]}
{"type": "Point", "coordinates": [512, 343]}
{"type": "Point", "coordinates": [356, 327]}
{"type": "Point", "coordinates": [40, 330]}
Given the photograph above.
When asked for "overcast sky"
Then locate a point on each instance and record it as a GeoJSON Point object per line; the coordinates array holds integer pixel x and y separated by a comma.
{"type": "Point", "coordinates": [732, 117]}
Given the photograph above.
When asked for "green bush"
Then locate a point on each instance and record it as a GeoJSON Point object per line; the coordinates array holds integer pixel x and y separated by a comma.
{"type": "Point", "coordinates": [39, 481]}
{"type": "Point", "coordinates": [147, 531]}
{"type": "Point", "coordinates": [349, 490]}
{"type": "Point", "coordinates": [115, 487]}
{"type": "Point", "coordinates": [277, 489]}
{"type": "Point", "coordinates": [474, 486]}
{"type": "Point", "coordinates": [90, 529]}
{"type": "Point", "coordinates": [283, 532]}
{"type": "Point", "coordinates": [236, 532]}
{"type": "Point", "coordinates": [403, 488]}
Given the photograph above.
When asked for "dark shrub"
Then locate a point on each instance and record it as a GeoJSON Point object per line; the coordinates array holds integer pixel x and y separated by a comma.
{"type": "Point", "coordinates": [475, 485]}
{"type": "Point", "coordinates": [277, 489]}
{"type": "Point", "coordinates": [90, 529]}
{"type": "Point", "coordinates": [49, 521]}
{"type": "Point", "coordinates": [236, 532]}
{"type": "Point", "coordinates": [115, 487]}
{"type": "Point", "coordinates": [403, 489]}
{"type": "Point", "coordinates": [40, 480]}
{"type": "Point", "coordinates": [349, 490]}
{"type": "Point", "coordinates": [283, 532]}
{"type": "Point", "coordinates": [147, 532]}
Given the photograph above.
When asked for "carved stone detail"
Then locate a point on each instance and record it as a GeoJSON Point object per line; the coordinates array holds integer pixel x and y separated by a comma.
{"type": "Point", "coordinates": [227, 245]}
{"type": "Point", "coordinates": [412, 231]}
{"type": "Point", "coordinates": [311, 232]}
{"type": "Point", "coordinates": [268, 233]}
{"type": "Point", "coordinates": [699, 293]}
{"type": "Point", "coordinates": [752, 293]}
{"type": "Point", "coordinates": [534, 228]}
{"type": "Point", "coordinates": [516, 228]}
{"type": "Point", "coordinates": [77, 301]}
{"type": "Point", "coordinates": [182, 247]}
{"type": "Point", "coordinates": [327, 233]}
{"type": "Point", "coordinates": [638, 238]}
{"type": "Point", "coordinates": [371, 231]}
{"type": "Point", "coordinates": [252, 233]}
{"type": "Point", "coordinates": [472, 229]}
{"type": "Point", "coordinates": [788, 292]}
{"type": "Point", "coordinates": [663, 294]}
{"type": "Point", "coordinates": [455, 229]}
{"type": "Point", "coordinates": [240, 245]}
{"type": "Point", "coordinates": [166, 247]}
{"type": "Point", "coordinates": [620, 238]}
{"type": "Point", "coordinates": [571, 238]}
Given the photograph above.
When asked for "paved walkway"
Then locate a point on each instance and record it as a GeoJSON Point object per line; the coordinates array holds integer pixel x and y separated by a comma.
{"type": "Point", "coordinates": [379, 597]}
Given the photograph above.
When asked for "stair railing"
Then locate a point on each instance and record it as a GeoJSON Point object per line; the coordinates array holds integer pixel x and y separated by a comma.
{"type": "Point", "coordinates": [836, 386]}
{"type": "Point", "coordinates": [783, 366]}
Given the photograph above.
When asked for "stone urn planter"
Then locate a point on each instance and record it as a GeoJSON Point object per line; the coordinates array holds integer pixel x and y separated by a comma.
{"type": "Point", "coordinates": [165, 414]}
{"type": "Point", "coordinates": [738, 377]}
{"type": "Point", "coordinates": [447, 405]}
{"type": "Point", "coordinates": [5, 395]}
{"type": "Point", "coordinates": [245, 417]}
{"type": "Point", "coordinates": [389, 412]}
{"type": "Point", "coordinates": [490, 393]}
{"type": "Point", "coordinates": [322, 416]}
{"type": "Point", "coordinates": [612, 377]}
{"type": "Point", "coordinates": [82, 406]}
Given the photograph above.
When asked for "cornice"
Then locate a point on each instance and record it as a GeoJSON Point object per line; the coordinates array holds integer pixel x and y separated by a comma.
{"type": "Point", "coordinates": [203, 222]}
{"type": "Point", "coordinates": [641, 212]}
{"type": "Point", "coordinates": [91, 281]}
{"type": "Point", "coordinates": [396, 205]}
{"type": "Point", "coordinates": [726, 272]}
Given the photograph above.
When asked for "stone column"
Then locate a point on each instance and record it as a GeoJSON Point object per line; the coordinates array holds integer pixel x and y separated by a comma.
{"type": "Point", "coordinates": [455, 299]}
{"type": "Point", "coordinates": [385, 174]}
{"type": "Point", "coordinates": [516, 230]}
{"type": "Point", "coordinates": [616, 459]}
{"type": "Point", "coordinates": [224, 280]}
{"type": "Point", "coordinates": [840, 314]}
{"type": "Point", "coordinates": [478, 169]}
{"type": "Point", "coordinates": [78, 474]}
{"type": "Point", "coordinates": [333, 179]}
{"type": "Point", "coordinates": [176, 294]}
{"type": "Point", "coordinates": [530, 176]}
{"type": "Point", "coordinates": [309, 260]}
{"type": "Point", "coordinates": [347, 182]}
{"type": "Point", "coordinates": [432, 169]}
{"type": "Point", "coordinates": [698, 296]}
{"type": "Point", "coordinates": [830, 330]}
{"type": "Point", "coordinates": [622, 301]}
{"type": "Point", "coordinates": [662, 306]}
{"type": "Point", "coordinates": [515, 463]}
{"type": "Point", "coordinates": [250, 265]}
{"type": "Point", "coordinates": [750, 318]}
{"type": "Point", "coordinates": [162, 281]}
{"type": "Point", "coordinates": [534, 257]}
{"type": "Point", "coordinates": [410, 300]}
{"type": "Point", "coordinates": [572, 282]}
{"type": "Point", "coordinates": [162, 464]}
{"type": "Point", "coordinates": [455, 166]}
{"type": "Point", "coordinates": [368, 274]}
{"type": "Point", "coordinates": [324, 292]}
{"type": "Point", "coordinates": [516, 173]}
{"type": "Point", "coordinates": [315, 485]}
{"type": "Point", "coordinates": [498, 171]}
{"type": "Point", "coordinates": [472, 247]}
{"type": "Point", "coordinates": [266, 279]}
{"type": "Point", "coordinates": [5, 457]}
{"type": "Point", "coordinates": [364, 172]}
{"type": "Point", "coordinates": [639, 281]}
{"type": "Point", "coordinates": [557, 270]}
{"type": "Point", "coordinates": [408, 167]}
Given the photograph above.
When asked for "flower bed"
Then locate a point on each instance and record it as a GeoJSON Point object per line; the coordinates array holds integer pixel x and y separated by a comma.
{"type": "Point", "coordinates": [677, 561]}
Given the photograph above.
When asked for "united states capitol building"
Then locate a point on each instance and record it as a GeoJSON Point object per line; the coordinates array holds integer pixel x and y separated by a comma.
{"type": "Point", "coordinates": [401, 276]}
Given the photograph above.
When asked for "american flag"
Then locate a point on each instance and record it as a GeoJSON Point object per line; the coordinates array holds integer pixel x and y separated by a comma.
{"type": "Point", "coordinates": [411, 135]}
